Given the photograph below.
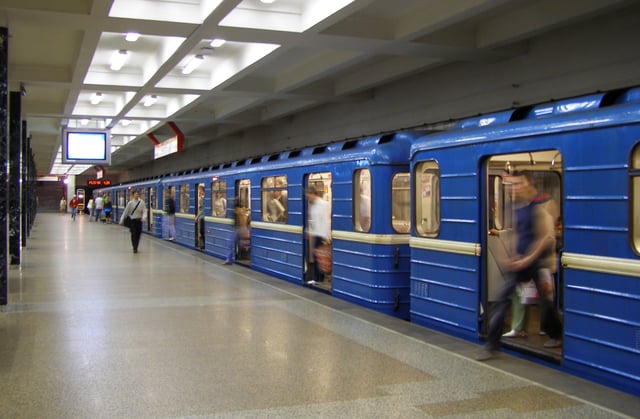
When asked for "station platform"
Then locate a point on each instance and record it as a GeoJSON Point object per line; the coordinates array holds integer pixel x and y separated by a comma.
{"type": "Point", "coordinates": [93, 330]}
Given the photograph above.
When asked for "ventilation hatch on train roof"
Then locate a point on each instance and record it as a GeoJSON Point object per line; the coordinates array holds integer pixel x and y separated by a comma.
{"type": "Point", "coordinates": [624, 96]}
{"type": "Point", "coordinates": [485, 120]}
{"type": "Point", "coordinates": [578, 104]}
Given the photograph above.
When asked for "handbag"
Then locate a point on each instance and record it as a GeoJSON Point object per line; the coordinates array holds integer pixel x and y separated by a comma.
{"type": "Point", "coordinates": [322, 255]}
{"type": "Point", "coordinates": [128, 221]}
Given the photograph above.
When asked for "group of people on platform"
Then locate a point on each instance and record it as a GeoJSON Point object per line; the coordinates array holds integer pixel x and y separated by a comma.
{"type": "Point", "coordinates": [134, 214]}
{"type": "Point", "coordinates": [99, 209]}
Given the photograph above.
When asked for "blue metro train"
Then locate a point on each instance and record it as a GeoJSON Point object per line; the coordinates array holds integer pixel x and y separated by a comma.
{"type": "Point", "coordinates": [412, 212]}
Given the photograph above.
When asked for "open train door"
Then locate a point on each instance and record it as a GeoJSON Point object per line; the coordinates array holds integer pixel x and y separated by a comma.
{"type": "Point", "coordinates": [522, 329]}
{"type": "Point", "coordinates": [243, 221]}
{"type": "Point", "coordinates": [321, 182]}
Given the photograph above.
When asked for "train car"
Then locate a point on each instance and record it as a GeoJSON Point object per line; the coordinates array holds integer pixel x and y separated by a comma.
{"type": "Point", "coordinates": [364, 182]}
{"type": "Point", "coordinates": [585, 154]}
{"type": "Point", "coordinates": [149, 192]}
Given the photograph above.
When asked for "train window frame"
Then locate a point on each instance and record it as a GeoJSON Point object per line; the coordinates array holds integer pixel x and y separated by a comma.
{"type": "Point", "coordinates": [164, 196]}
{"type": "Point", "coordinates": [362, 196]}
{"type": "Point", "coordinates": [274, 199]}
{"type": "Point", "coordinates": [634, 184]}
{"type": "Point", "coordinates": [427, 192]}
{"type": "Point", "coordinates": [219, 203]}
{"type": "Point", "coordinates": [399, 206]}
{"type": "Point", "coordinates": [153, 197]}
{"type": "Point", "coordinates": [184, 198]}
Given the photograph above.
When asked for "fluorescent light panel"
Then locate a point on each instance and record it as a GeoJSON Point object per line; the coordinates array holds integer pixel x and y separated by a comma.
{"type": "Point", "coordinates": [118, 59]}
{"type": "Point", "coordinates": [193, 63]}
{"type": "Point", "coordinates": [96, 98]}
{"type": "Point", "coordinates": [150, 100]}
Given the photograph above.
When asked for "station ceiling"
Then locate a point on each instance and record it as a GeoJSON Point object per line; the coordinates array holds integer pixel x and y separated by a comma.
{"type": "Point", "coordinates": [258, 61]}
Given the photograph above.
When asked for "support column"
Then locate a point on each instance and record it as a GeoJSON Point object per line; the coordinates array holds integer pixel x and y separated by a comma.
{"type": "Point", "coordinates": [24, 185]}
{"type": "Point", "coordinates": [15, 149]}
{"type": "Point", "coordinates": [4, 158]}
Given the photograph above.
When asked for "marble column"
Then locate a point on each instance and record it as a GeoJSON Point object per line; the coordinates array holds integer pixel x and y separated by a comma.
{"type": "Point", "coordinates": [4, 157]}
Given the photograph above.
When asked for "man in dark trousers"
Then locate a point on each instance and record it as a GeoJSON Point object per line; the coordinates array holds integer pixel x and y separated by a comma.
{"type": "Point", "coordinates": [535, 241]}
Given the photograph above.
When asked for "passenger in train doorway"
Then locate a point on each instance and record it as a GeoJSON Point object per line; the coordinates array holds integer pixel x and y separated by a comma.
{"type": "Point", "coordinates": [521, 299]}
{"type": "Point", "coordinates": [169, 218]}
{"type": "Point", "coordinates": [63, 205]}
{"type": "Point", "coordinates": [318, 227]}
{"type": "Point", "coordinates": [199, 219]}
{"type": "Point", "coordinates": [136, 209]}
{"type": "Point", "coordinates": [240, 231]}
{"type": "Point", "coordinates": [535, 241]}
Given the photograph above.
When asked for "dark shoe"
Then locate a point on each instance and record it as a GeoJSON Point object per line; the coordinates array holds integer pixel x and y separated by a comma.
{"type": "Point", "coordinates": [226, 262]}
{"type": "Point", "coordinates": [486, 354]}
{"type": "Point", "coordinates": [553, 343]}
{"type": "Point", "coordinates": [135, 250]}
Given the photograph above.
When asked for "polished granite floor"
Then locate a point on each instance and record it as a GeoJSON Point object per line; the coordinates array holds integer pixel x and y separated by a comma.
{"type": "Point", "coordinates": [94, 331]}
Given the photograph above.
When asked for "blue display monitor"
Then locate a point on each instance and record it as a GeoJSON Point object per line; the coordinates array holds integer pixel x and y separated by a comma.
{"type": "Point", "coordinates": [84, 146]}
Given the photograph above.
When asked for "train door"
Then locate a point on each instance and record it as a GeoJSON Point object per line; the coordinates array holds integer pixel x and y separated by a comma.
{"type": "Point", "coordinates": [199, 216]}
{"type": "Point", "coordinates": [151, 200]}
{"type": "Point", "coordinates": [522, 329]}
{"type": "Point", "coordinates": [314, 274]}
{"type": "Point", "coordinates": [242, 216]}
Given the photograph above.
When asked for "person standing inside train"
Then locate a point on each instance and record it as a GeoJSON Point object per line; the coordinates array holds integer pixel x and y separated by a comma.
{"type": "Point", "coordinates": [318, 226]}
{"type": "Point", "coordinates": [169, 218]}
{"type": "Point", "coordinates": [136, 209]}
{"type": "Point", "coordinates": [535, 241]}
{"type": "Point", "coordinates": [199, 219]}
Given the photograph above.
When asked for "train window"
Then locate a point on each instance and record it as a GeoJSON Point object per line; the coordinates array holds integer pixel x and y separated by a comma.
{"type": "Point", "coordinates": [635, 208]}
{"type": "Point", "coordinates": [120, 199]}
{"type": "Point", "coordinates": [165, 194]}
{"type": "Point", "coordinates": [219, 194]}
{"type": "Point", "coordinates": [400, 203]}
{"type": "Point", "coordinates": [184, 198]}
{"type": "Point", "coordinates": [274, 199]}
{"type": "Point", "coordinates": [427, 178]}
{"type": "Point", "coordinates": [497, 201]}
{"type": "Point", "coordinates": [153, 202]}
{"type": "Point", "coordinates": [362, 200]}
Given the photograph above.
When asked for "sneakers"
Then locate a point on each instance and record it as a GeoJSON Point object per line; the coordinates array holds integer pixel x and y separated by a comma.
{"type": "Point", "coordinates": [553, 343]}
{"type": "Point", "coordinates": [486, 354]}
{"type": "Point", "coordinates": [515, 334]}
{"type": "Point", "coordinates": [312, 282]}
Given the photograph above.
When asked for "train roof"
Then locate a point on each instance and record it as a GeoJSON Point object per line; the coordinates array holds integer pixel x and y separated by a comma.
{"type": "Point", "coordinates": [586, 112]}
{"type": "Point", "coordinates": [379, 149]}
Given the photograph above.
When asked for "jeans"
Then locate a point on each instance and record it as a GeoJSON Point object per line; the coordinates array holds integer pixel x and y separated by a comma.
{"type": "Point", "coordinates": [549, 318]}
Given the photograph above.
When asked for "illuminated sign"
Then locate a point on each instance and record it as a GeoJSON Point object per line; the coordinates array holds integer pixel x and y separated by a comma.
{"type": "Point", "coordinates": [170, 146]}
{"type": "Point", "coordinates": [99, 182]}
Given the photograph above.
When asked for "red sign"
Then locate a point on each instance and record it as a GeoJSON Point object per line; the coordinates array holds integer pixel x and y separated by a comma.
{"type": "Point", "coordinates": [99, 182]}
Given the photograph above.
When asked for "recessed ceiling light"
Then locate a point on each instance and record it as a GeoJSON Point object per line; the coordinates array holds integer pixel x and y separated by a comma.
{"type": "Point", "coordinates": [125, 122]}
{"type": "Point", "coordinates": [84, 121]}
{"type": "Point", "coordinates": [217, 42]}
{"type": "Point", "coordinates": [192, 64]}
{"type": "Point", "coordinates": [132, 36]}
{"type": "Point", "coordinates": [96, 98]}
{"type": "Point", "coordinates": [118, 59]}
{"type": "Point", "coordinates": [267, 1]}
{"type": "Point", "coordinates": [150, 100]}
